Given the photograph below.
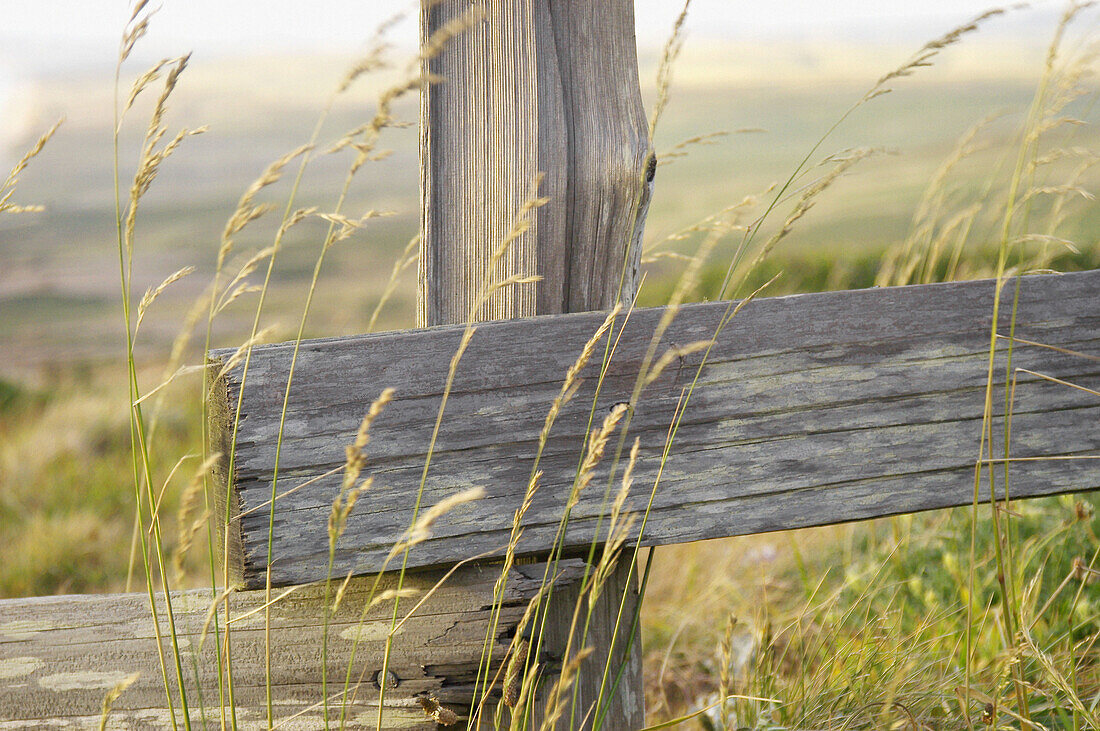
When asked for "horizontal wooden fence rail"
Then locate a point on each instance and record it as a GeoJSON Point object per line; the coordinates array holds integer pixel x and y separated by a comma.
{"type": "Point", "coordinates": [811, 409]}
{"type": "Point", "coordinates": [59, 656]}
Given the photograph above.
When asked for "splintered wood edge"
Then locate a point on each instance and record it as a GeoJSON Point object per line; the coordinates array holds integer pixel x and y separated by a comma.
{"type": "Point", "coordinates": [221, 405]}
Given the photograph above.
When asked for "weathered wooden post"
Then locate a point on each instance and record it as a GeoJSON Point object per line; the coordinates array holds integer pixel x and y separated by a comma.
{"type": "Point", "coordinates": [533, 89]}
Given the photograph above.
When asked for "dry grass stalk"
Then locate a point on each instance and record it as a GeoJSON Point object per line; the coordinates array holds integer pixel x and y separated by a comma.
{"type": "Point", "coordinates": [805, 203]}
{"type": "Point", "coordinates": [342, 505]}
{"type": "Point", "coordinates": [1058, 88]}
{"type": "Point", "coordinates": [362, 435]}
{"type": "Point", "coordinates": [559, 693]}
{"type": "Point", "coordinates": [674, 353]}
{"type": "Point", "coordinates": [521, 223]}
{"type": "Point", "coordinates": [374, 601]}
{"type": "Point", "coordinates": [515, 536]}
{"type": "Point", "coordinates": [374, 59]}
{"type": "Point", "coordinates": [341, 591]}
{"type": "Point", "coordinates": [902, 261]}
{"type": "Point", "coordinates": [526, 695]}
{"type": "Point", "coordinates": [189, 519]}
{"type": "Point", "coordinates": [572, 375]}
{"type": "Point", "coordinates": [355, 459]}
{"type": "Point", "coordinates": [923, 57]}
{"type": "Point", "coordinates": [597, 444]}
{"type": "Point", "coordinates": [618, 529]}
{"type": "Point", "coordinates": [520, 632]}
{"type": "Point", "coordinates": [513, 675]}
{"type": "Point", "coordinates": [717, 227]}
{"type": "Point", "coordinates": [1059, 210]}
{"type": "Point", "coordinates": [296, 217]}
{"type": "Point", "coordinates": [364, 138]}
{"type": "Point", "coordinates": [113, 695]}
{"type": "Point", "coordinates": [285, 493]}
{"type": "Point", "coordinates": [389, 595]}
{"type": "Point", "coordinates": [615, 525]}
{"type": "Point", "coordinates": [671, 52]}
{"type": "Point", "coordinates": [1065, 687]}
{"type": "Point", "coordinates": [182, 340]}
{"type": "Point", "coordinates": [725, 679]}
{"type": "Point", "coordinates": [232, 296]}
{"type": "Point", "coordinates": [238, 285]}
{"type": "Point", "coordinates": [810, 194]}
{"type": "Point", "coordinates": [152, 293]}
{"type": "Point", "coordinates": [239, 354]}
{"type": "Point", "coordinates": [247, 210]}
{"type": "Point", "coordinates": [245, 213]}
{"type": "Point", "coordinates": [568, 389]}
{"type": "Point", "coordinates": [439, 39]}
{"type": "Point", "coordinates": [422, 529]}
{"type": "Point", "coordinates": [956, 228]}
{"type": "Point", "coordinates": [682, 149]}
{"type": "Point", "coordinates": [159, 388]}
{"type": "Point", "coordinates": [724, 221]}
{"type": "Point", "coordinates": [435, 711]}
{"type": "Point", "coordinates": [409, 256]}
{"type": "Point", "coordinates": [8, 188]}
{"type": "Point", "coordinates": [565, 394]}
{"type": "Point", "coordinates": [263, 607]}
{"type": "Point", "coordinates": [152, 158]}
{"type": "Point", "coordinates": [211, 612]}
{"type": "Point", "coordinates": [135, 30]}
{"type": "Point", "coordinates": [345, 226]}
{"type": "Point", "coordinates": [154, 518]}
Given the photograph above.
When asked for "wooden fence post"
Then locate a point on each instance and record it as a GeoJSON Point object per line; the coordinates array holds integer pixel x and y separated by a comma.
{"type": "Point", "coordinates": [537, 88]}
{"type": "Point", "coordinates": [533, 87]}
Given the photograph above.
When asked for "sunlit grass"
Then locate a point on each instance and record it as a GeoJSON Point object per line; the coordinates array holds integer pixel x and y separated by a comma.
{"type": "Point", "coordinates": [975, 617]}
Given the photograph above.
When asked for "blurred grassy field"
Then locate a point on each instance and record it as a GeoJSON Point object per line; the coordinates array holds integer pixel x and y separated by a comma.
{"type": "Point", "coordinates": [66, 503]}
{"type": "Point", "coordinates": [58, 285]}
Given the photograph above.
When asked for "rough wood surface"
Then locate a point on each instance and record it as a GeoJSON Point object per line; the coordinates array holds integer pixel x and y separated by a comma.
{"type": "Point", "coordinates": [533, 87]}
{"type": "Point", "coordinates": [59, 656]}
{"type": "Point", "coordinates": [612, 648]}
{"type": "Point", "coordinates": [539, 88]}
{"type": "Point", "coordinates": [812, 409]}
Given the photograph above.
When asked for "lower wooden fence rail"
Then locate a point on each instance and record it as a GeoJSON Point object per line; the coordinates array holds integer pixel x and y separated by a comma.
{"type": "Point", "coordinates": [60, 656]}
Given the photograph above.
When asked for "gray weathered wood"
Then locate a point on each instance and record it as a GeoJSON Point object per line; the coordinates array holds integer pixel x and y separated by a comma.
{"type": "Point", "coordinates": [539, 88]}
{"type": "Point", "coordinates": [533, 87]}
{"type": "Point", "coordinates": [623, 710]}
{"type": "Point", "coordinates": [812, 409]}
{"type": "Point", "coordinates": [59, 656]}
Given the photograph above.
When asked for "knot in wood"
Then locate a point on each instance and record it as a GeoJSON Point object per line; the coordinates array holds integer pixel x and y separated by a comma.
{"type": "Point", "coordinates": [392, 681]}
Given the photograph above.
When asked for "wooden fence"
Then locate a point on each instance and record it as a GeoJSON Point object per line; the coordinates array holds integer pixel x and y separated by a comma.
{"type": "Point", "coordinates": [808, 410]}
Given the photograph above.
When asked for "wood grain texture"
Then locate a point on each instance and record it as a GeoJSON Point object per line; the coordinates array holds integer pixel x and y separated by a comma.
{"type": "Point", "coordinates": [612, 648]}
{"type": "Point", "coordinates": [59, 656]}
{"type": "Point", "coordinates": [551, 89]}
{"type": "Point", "coordinates": [812, 409]}
{"type": "Point", "coordinates": [534, 87]}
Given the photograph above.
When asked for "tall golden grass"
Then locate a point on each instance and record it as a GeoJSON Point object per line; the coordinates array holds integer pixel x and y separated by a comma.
{"type": "Point", "coordinates": [1001, 634]}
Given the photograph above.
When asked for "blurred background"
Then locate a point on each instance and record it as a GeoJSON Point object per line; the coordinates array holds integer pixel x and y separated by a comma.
{"type": "Point", "coordinates": [261, 73]}
{"type": "Point", "coordinates": [761, 83]}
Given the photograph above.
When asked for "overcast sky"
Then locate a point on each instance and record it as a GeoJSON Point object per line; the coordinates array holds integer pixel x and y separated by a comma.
{"type": "Point", "coordinates": [38, 34]}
